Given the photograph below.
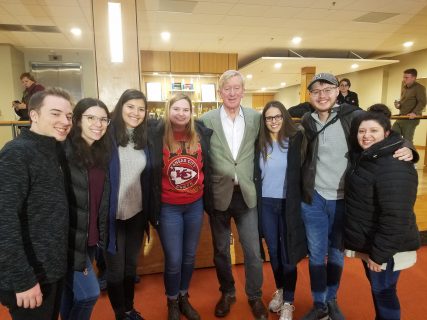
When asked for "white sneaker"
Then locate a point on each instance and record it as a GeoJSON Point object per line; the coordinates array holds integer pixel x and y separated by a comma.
{"type": "Point", "coordinates": [277, 301]}
{"type": "Point", "coordinates": [286, 311]}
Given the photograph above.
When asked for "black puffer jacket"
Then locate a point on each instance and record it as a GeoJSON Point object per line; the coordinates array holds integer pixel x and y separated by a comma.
{"type": "Point", "coordinates": [155, 147]}
{"type": "Point", "coordinates": [78, 195]}
{"type": "Point", "coordinates": [380, 192]}
{"type": "Point", "coordinates": [296, 241]}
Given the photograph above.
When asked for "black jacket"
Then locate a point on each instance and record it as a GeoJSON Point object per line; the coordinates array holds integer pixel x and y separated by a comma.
{"type": "Point", "coordinates": [296, 242]}
{"type": "Point", "coordinates": [350, 98]}
{"type": "Point", "coordinates": [78, 195]}
{"type": "Point", "coordinates": [346, 114]}
{"type": "Point", "coordinates": [33, 213]}
{"type": "Point", "coordinates": [155, 146]}
{"type": "Point", "coordinates": [380, 192]}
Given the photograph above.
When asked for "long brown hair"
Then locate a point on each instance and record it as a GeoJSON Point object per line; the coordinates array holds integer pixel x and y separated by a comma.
{"type": "Point", "coordinates": [190, 131]}
{"type": "Point", "coordinates": [139, 136]}
{"type": "Point", "coordinates": [287, 130]}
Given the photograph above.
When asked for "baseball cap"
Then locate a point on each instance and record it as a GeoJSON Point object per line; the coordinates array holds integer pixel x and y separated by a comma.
{"type": "Point", "coordinates": [327, 77]}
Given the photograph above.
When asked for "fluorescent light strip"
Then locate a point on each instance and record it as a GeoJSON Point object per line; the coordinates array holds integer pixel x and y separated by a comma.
{"type": "Point", "coordinates": [115, 31]}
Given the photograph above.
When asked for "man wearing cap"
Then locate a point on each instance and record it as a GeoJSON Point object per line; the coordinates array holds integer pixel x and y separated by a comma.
{"type": "Point", "coordinates": [327, 130]}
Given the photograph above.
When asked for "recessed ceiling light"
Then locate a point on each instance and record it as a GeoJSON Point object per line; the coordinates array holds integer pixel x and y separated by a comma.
{"type": "Point", "coordinates": [408, 44]}
{"type": "Point", "coordinates": [354, 66]}
{"type": "Point", "coordinates": [263, 89]}
{"type": "Point", "coordinates": [165, 35]}
{"type": "Point", "coordinates": [278, 65]}
{"type": "Point", "coordinates": [249, 76]}
{"type": "Point", "coordinates": [76, 31]}
{"type": "Point", "coordinates": [283, 84]}
{"type": "Point", "coordinates": [296, 40]}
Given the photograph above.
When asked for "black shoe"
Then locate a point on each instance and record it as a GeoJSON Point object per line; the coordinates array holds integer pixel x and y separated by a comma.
{"type": "Point", "coordinates": [222, 308]}
{"type": "Point", "coordinates": [133, 315]}
{"type": "Point", "coordinates": [173, 309]}
{"type": "Point", "coordinates": [334, 311]}
{"type": "Point", "coordinates": [187, 309]}
{"type": "Point", "coordinates": [317, 314]}
{"type": "Point", "coordinates": [258, 309]}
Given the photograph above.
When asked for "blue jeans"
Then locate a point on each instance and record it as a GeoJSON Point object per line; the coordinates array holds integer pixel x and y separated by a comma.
{"type": "Point", "coordinates": [274, 231]}
{"type": "Point", "coordinates": [246, 220]}
{"type": "Point", "coordinates": [179, 232]}
{"type": "Point", "coordinates": [81, 291]}
{"type": "Point", "coordinates": [384, 293]}
{"type": "Point", "coordinates": [324, 224]}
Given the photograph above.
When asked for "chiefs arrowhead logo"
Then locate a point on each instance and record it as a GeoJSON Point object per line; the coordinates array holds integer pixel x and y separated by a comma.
{"type": "Point", "coordinates": [183, 173]}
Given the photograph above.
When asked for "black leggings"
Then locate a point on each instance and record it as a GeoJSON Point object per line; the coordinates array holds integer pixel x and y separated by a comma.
{"type": "Point", "coordinates": [121, 267]}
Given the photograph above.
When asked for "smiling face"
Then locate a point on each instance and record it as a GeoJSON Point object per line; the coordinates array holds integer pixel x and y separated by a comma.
{"type": "Point", "coordinates": [180, 114]}
{"type": "Point", "coordinates": [93, 124]}
{"type": "Point", "coordinates": [133, 112]}
{"type": "Point", "coordinates": [273, 121]}
{"type": "Point", "coordinates": [369, 133]}
{"type": "Point", "coordinates": [53, 119]}
{"type": "Point", "coordinates": [323, 96]}
{"type": "Point", "coordinates": [232, 93]}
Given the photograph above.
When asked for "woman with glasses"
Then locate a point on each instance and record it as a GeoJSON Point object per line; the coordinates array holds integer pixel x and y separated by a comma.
{"type": "Point", "coordinates": [179, 146]}
{"type": "Point", "coordinates": [279, 193]}
{"type": "Point", "coordinates": [345, 95]}
{"type": "Point", "coordinates": [87, 152]}
{"type": "Point", "coordinates": [129, 195]}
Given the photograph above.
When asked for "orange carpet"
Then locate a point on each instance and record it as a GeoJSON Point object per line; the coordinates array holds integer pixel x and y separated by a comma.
{"type": "Point", "coordinates": [354, 295]}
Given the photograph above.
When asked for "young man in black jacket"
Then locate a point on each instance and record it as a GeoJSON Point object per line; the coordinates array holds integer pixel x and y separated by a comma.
{"type": "Point", "coordinates": [34, 211]}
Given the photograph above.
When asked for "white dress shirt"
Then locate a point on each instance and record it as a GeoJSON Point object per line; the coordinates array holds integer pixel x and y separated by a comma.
{"type": "Point", "coordinates": [233, 131]}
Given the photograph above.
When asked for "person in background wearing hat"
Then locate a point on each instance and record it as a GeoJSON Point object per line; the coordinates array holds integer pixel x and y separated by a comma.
{"type": "Point", "coordinates": [345, 95]}
{"type": "Point", "coordinates": [31, 87]}
{"type": "Point", "coordinates": [326, 131]}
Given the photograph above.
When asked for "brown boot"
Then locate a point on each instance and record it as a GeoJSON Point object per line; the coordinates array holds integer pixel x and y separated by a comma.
{"type": "Point", "coordinates": [187, 309]}
{"type": "Point", "coordinates": [173, 309]}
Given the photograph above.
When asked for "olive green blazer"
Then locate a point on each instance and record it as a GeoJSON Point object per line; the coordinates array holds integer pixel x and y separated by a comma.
{"type": "Point", "coordinates": [224, 167]}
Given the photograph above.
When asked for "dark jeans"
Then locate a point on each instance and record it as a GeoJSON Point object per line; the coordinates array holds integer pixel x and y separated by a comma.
{"type": "Point", "coordinates": [246, 220]}
{"type": "Point", "coordinates": [81, 291]}
{"type": "Point", "coordinates": [324, 223]}
{"type": "Point", "coordinates": [121, 267]}
{"type": "Point", "coordinates": [179, 232]}
{"type": "Point", "coordinates": [49, 309]}
{"type": "Point", "coordinates": [384, 292]}
{"type": "Point", "coordinates": [274, 231]}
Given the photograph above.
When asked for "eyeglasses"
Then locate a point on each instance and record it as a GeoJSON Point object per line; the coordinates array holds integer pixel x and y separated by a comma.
{"type": "Point", "coordinates": [278, 117]}
{"type": "Point", "coordinates": [325, 91]}
{"type": "Point", "coordinates": [93, 119]}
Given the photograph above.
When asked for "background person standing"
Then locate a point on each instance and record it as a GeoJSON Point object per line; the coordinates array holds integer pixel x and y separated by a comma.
{"type": "Point", "coordinates": [412, 102]}
{"type": "Point", "coordinates": [31, 87]}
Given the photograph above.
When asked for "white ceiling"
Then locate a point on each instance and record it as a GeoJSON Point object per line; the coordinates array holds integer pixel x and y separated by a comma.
{"type": "Point", "coordinates": [251, 28]}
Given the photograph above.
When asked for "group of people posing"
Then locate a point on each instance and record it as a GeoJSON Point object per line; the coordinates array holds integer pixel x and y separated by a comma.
{"type": "Point", "coordinates": [81, 178]}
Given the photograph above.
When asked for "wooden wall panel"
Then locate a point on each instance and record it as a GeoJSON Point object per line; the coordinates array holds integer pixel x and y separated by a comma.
{"type": "Point", "coordinates": [215, 63]}
{"type": "Point", "coordinates": [185, 62]}
{"type": "Point", "coordinates": [307, 73]}
{"type": "Point", "coordinates": [232, 61]}
{"type": "Point", "coordinates": [155, 61]}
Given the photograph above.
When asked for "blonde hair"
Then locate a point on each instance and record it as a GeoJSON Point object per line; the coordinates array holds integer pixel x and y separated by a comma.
{"type": "Point", "coordinates": [228, 75]}
{"type": "Point", "coordinates": [192, 139]}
